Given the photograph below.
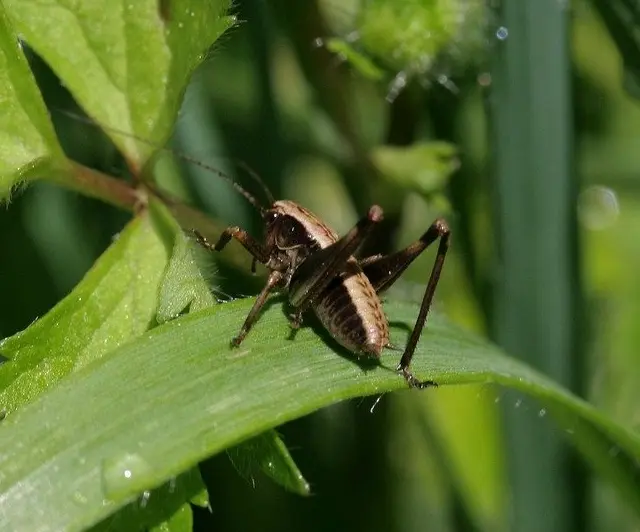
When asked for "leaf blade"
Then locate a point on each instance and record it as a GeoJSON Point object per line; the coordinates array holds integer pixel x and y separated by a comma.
{"type": "Point", "coordinates": [173, 419]}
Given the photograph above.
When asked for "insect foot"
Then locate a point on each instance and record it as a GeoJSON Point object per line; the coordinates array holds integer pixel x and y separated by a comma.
{"type": "Point", "coordinates": [412, 381]}
{"type": "Point", "coordinates": [295, 321]}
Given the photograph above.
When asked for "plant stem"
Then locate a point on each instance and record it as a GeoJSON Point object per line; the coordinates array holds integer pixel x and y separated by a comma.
{"type": "Point", "coordinates": [125, 195]}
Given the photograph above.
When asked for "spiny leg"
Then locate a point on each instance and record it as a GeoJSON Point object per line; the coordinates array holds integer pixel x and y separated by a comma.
{"type": "Point", "coordinates": [272, 282]}
{"type": "Point", "coordinates": [384, 270]}
{"type": "Point", "coordinates": [254, 247]}
{"type": "Point", "coordinates": [319, 269]}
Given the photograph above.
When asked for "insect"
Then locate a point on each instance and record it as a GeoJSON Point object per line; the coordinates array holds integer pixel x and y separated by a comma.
{"type": "Point", "coordinates": [318, 270]}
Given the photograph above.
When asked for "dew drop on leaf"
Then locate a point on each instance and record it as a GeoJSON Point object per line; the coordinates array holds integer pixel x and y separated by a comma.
{"type": "Point", "coordinates": [123, 475]}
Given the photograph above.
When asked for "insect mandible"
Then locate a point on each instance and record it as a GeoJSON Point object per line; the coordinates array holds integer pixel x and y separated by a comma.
{"type": "Point", "coordinates": [319, 272]}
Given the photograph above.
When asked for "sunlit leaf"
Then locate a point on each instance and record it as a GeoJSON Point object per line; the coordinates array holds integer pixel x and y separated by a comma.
{"type": "Point", "coordinates": [28, 145]}
{"type": "Point", "coordinates": [126, 63]}
{"type": "Point", "coordinates": [180, 393]}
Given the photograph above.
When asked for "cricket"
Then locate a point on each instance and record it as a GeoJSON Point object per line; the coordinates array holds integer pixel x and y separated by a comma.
{"type": "Point", "coordinates": [319, 272]}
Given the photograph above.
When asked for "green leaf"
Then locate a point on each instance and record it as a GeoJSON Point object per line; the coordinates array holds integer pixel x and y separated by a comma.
{"type": "Point", "coordinates": [115, 302]}
{"type": "Point", "coordinates": [424, 167]}
{"type": "Point", "coordinates": [269, 454]}
{"type": "Point", "coordinates": [183, 285]}
{"type": "Point", "coordinates": [126, 63]}
{"type": "Point", "coordinates": [165, 401]}
{"type": "Point", "coordinates": [28, 144]}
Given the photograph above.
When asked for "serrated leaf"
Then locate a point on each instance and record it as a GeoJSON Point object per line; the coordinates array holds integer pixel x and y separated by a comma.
{"type": "Point", "coordinates": [183, 285]}
{"type": "Point", "coordinates": [424, 167]}
{"type": "Point", "coordinates": [115, 302]}
{"type": "Point", "coordinates": [162, 421]}
{"type": "Point", "coordinates": [28, 145]}
{"type": "Point", "coordinates": [126, 63]}
{"type": "Point", "coordinates": [269, 454]}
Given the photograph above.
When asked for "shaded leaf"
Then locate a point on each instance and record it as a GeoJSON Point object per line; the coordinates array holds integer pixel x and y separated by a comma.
{"type": "Point", "coordinates": [269, 454]}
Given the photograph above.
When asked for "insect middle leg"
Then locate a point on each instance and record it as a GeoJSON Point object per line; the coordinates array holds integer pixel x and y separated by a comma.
{"type": "Point", "coordinates": [384, 270]}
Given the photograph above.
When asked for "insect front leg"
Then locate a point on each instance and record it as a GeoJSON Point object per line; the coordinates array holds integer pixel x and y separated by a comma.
{"type": "Point", "coordinates": [272, 282]}
{"type": "Point", "coordinates": [254, 247]}
{"type": "Point", "coordinates": [319, 269]}
{"type": "Point", "coordinates": [384, 270]}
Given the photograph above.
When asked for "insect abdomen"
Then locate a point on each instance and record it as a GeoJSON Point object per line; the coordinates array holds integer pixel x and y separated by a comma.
{"type": "Point", "coordinates": [352, 312]}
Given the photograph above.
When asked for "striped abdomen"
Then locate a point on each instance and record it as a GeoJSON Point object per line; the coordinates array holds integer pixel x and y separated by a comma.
{"type": "Point", "coordinates": [352, 312]}
{"type": "Point", "coordinates": [349, 307]}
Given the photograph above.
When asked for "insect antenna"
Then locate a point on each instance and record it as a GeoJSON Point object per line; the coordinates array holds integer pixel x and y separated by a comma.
{"type": "Point", "coordinates": [239, 188]}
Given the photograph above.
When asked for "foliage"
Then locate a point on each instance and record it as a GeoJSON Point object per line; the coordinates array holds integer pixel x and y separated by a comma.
{"type": "Point", "coordinates": [117, 393]}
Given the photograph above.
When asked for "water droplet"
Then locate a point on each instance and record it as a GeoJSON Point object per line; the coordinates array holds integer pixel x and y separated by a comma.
{"type": "Point", "coordinates": [542, 413]}
{"type": "Point", "coordinates": [144, 499]}
{"type": "Point", "coordinates": [318, 42]}
{"type": "Point", "coordinates": [124, 475]}
{"type": "Point", "coordinates": [79, 498]}
{"type": "Point", "coordinates": [502, 33]}
{"type": "Point", "coordinates": [518, 403]}
{"type": "Point", "coordinates": [598, 207]}
{"type": "Point", "coordinates": [484, 79]}
{"type": "Point", "coordinates": [180, 25]}
{"type": "Point", "coordinates": [497, 399]}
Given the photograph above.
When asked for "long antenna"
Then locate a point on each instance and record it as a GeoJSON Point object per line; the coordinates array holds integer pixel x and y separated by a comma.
{"type": "Point", "coordinates": [241, 190]}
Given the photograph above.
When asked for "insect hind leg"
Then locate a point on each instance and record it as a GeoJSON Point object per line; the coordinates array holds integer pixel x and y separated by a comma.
{"type": "Point", "coordinates": [384, 270]}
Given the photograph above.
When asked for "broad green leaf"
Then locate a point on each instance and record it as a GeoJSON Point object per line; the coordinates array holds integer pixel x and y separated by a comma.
{"type": "Point", "coordinates": [115, 302]}
{"type": "Point", "coordinates": [424, 167]}
{"type": "Point", "coordinates": [165, 401]}
{"type": "Point", "coordinates": [126, 63]}
{"type": "Point", "coordinates": [28, 144]}
{"type": "Point", "coordinates": [269, 454]}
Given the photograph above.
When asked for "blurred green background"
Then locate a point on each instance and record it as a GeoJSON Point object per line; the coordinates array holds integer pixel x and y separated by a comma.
{"type": "Point", "coordinates": [545, 209]}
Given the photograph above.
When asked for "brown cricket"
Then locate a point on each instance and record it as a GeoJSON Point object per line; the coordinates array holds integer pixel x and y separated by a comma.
{"type": "Point", "coordinates": [319, 272]}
